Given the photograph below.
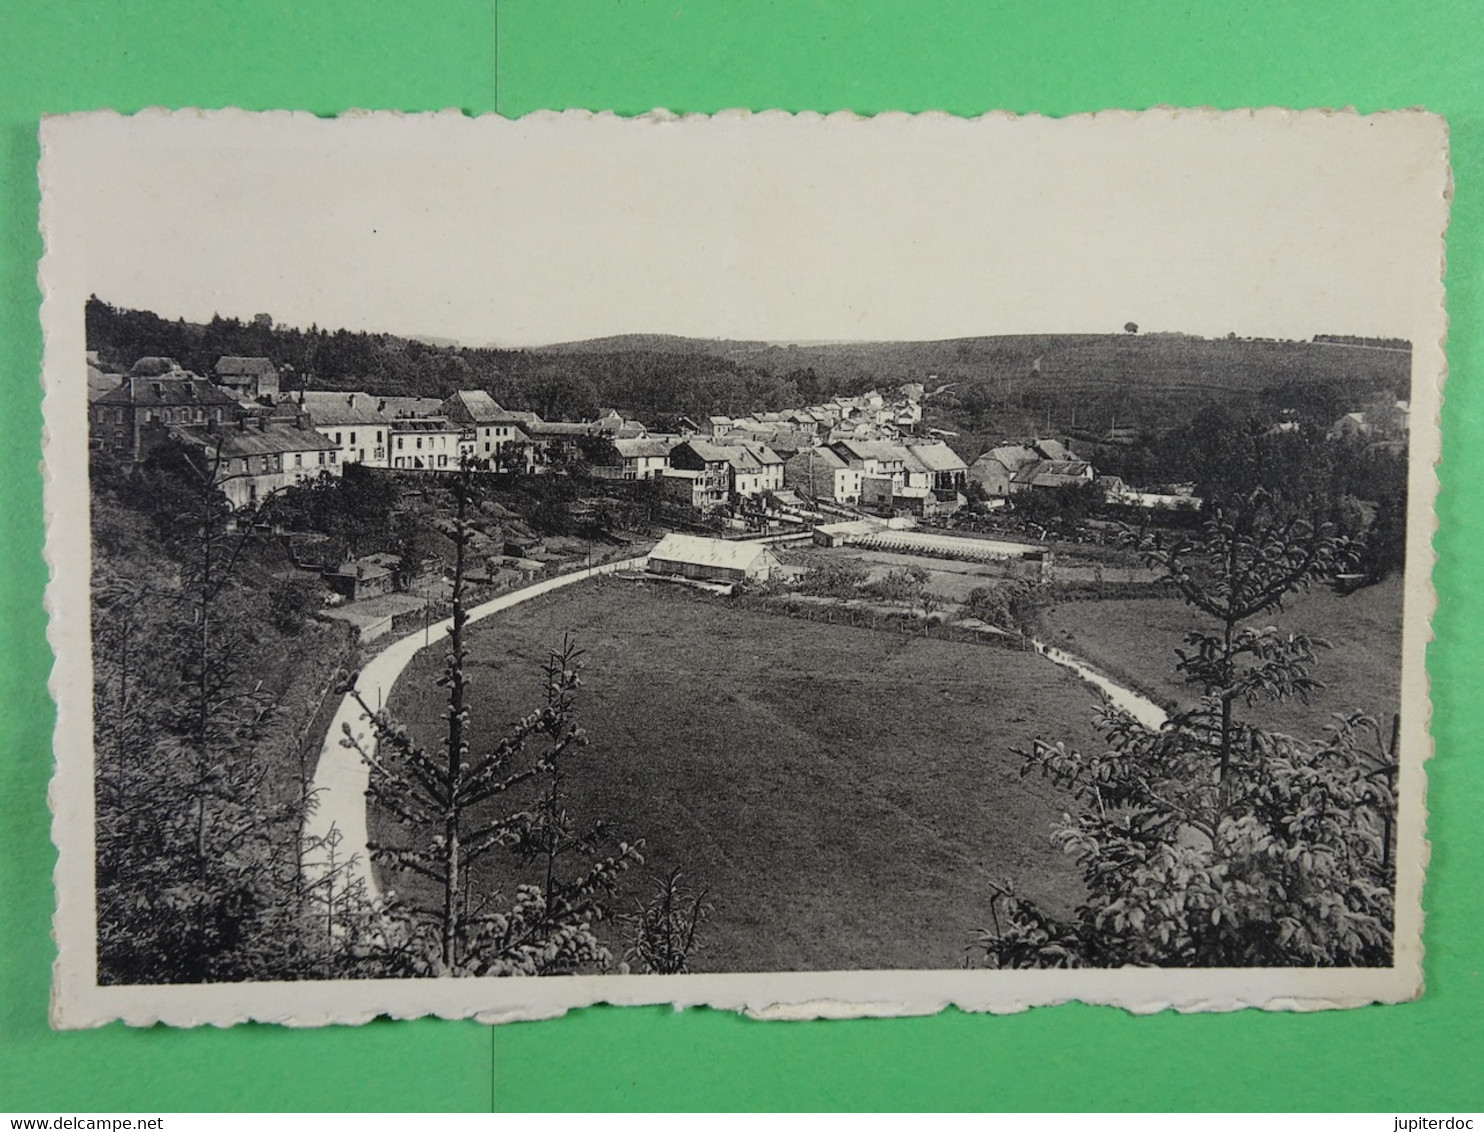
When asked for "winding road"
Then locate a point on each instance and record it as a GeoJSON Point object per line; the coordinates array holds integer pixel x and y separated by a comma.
{"type": "Point", "coordinates": [341, 777]}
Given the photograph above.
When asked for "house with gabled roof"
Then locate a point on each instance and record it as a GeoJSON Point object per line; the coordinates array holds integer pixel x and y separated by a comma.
{"type": "Point", "coordinates": [756, 468]}
{"type": "Point", "coordinates": [493, 435]}
{"type": "Point", "coordinates": [821, 473]}
{"type": "Point", "coordinates": [155, 391]}
{"type": "Point", "coordinates": [875, 458]}
{"type": "Point", "coordinates": [945, 467]}
{"type": "Point", "coordinates": [250, 377]}
{"type": "Point", "coordinates": [1050, 475]}
{"type": "Point", "coordinates": [432, 444]}
{"type": "Point", "coordinates": [994, 470]}
{"type": "Point", "coordinates": [713, 559]}
{"type": "Point", "coordinates": [634, 458]}
{"type": "Point", "coordinates": [352, 422]}
{"type": "Point", "coordinates": [254, 458]}
{"type": "Point", "coordinates": [707, 469]}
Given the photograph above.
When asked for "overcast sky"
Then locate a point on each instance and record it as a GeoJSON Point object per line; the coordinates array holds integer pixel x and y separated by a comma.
{"type": "Point", "coordinates": [771, 227]}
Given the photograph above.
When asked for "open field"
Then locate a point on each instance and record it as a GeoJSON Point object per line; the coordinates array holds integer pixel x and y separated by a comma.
{"type": "Point", "coordinates": [1135, 641]}
{"type": "Point", "coordinates": [954, 580]}
{"type": "Point", "coordinates": [845, 795]}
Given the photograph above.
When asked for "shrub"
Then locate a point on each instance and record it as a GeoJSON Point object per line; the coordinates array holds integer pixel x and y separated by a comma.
{"type": "Point", "coordinates": [1212, 842]}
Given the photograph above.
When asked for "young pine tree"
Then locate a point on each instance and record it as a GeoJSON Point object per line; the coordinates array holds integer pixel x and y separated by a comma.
{"type": "Point", "coordinates": [1213, 841]}
{"type": "Point", "coordinates": [473, 796]}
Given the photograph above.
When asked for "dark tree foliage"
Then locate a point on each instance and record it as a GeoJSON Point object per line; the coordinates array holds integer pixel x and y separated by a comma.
{"type": "Point", "coordinates": [195, 857]}
{"type": "Point", "coordinates": [1211, 841]}
{"type": "Point", "coordinates": [474, 796]}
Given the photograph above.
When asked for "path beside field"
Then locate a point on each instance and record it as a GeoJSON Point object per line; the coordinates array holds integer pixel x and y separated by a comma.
{"type": "Point", "coordinates": [340, 779]}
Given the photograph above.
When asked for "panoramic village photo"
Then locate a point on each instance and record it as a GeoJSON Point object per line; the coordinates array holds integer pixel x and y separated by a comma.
{"type": "Point", "coordinates": [808, 566]}
{"type": "Point", "coordinates": [657, 655]}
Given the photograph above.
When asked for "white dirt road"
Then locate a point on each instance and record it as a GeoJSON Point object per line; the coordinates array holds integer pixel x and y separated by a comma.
{"type": "Point", "coordinates": [341, 777]}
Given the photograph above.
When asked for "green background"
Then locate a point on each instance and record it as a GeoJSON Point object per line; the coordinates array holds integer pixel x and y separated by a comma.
{"type": "Point", "coordinates": [631, 55]}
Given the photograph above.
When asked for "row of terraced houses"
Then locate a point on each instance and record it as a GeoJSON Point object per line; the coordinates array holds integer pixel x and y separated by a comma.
{"type": "Point", "coordinates": [863, 451]}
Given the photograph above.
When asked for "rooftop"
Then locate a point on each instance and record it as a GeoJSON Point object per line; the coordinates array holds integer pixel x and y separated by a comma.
{"type": "Point", "coordinates": [232, 366]}
{"type": "Point", "coordinates": [728, 554]}
{"type": "Point", "coordinates": [252, 440]}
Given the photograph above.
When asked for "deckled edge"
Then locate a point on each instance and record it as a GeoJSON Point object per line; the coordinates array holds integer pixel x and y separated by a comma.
{"type": "Point", "coordinates": [1419, 587]}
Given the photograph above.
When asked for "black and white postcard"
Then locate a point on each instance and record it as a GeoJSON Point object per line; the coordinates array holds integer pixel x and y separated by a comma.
{"type": "Point", "coordinates": [808, 565]}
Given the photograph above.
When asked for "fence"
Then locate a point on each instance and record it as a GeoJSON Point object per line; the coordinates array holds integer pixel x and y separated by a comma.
{"type": "Point", "coordinates": [858, 617]}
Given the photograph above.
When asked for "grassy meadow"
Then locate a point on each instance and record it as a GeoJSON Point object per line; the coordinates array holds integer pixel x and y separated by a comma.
{"type": "Point", "coordinates": [844, 795]}
{"type": "Point", "coordinates": [1134, 641]}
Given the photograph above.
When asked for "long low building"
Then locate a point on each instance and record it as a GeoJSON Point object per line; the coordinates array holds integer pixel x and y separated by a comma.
{"type": "Point", "coordinates": [713, 559]}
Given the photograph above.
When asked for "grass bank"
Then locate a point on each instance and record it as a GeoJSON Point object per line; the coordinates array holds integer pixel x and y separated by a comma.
{"type": "Point", "coordinates": [845, 795]}
{"type": "Point", "coordinates": [1135, 641]}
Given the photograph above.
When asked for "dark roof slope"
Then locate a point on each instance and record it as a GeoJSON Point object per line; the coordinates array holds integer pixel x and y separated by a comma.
{"type": "Point", "coordinates": [251, 440]}
{"type": "Point", "coordinates": [178, 388]}
{"type": "Point", "coordinates": [232, 366]}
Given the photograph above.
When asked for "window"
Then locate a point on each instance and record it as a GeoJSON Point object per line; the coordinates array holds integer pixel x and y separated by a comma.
{"type": "Point", "coordinates": [486, 446]}
{"type": "Point", "coordinates": [399, 448]}
{"type": "Point", "coordinates": [321, 457]}
{"type": "Point", "coordinates": [442, 461]}
{"type": "Point", "coordinates": [149, 416]}
{"type": "Point", "coordinates": [419, 442]}
{"type": "Point", "coordinates": [337, 438]}
{"type": "Point", "coordinates": [352, 440]}
{"type": "Point", "coordinates": [332, 457]}
{"type": "Point", "coordinates": [298, 459]}
{"type": "Point", "coordinates": [378, 436]}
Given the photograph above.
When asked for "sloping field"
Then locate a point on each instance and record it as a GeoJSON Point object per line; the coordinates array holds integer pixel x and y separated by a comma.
{"type": "Point", "coordinates": [1136, 641]}
{"type": "Point", "coordinates": [845, 795]}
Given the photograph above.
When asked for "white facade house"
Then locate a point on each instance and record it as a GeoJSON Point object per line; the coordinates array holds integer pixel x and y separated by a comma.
{"type": "Point", "coordinates": [426, 443]}
{"type": "Point", "coordinates": [351, 422]}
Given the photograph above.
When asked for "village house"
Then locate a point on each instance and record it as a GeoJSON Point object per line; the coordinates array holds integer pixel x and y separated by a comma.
{"type": "Point", "coordinates": [612, 424]}
{"type": "Point", "coordinates": [492, 433]}
{"type": "Point", "coordinates": [875, 458]}
{"type": "Point", "coordinates": [1051, 475]}
{"type": "Point", "coordinates": [371, 576]}
{"type": "Point", "coordinates": [155, 391]}
{"type": "Point", "coordinates": [710, 473]}
{"type": "Point", "coordinates": [425, 443]}
{"type": "Point", "coordinates": [643, 458]}
{"type": "Point", "coordinates": [252, 378]}
{"type": "Point", "coordinates": [255, 458]}
{"type": "Point", "coordinates": [755, 469]}
{"type": "Point", "coordinates": [713, 559]}
{"type": "Point", "coordinates": [1386, 420]}
{"type": "Point", "coordinates": [994, 470]}
{"type": "Point", "coordinates": [350, 421]}
{"type": "Point", "coordinates": [555, 445]}
{"type": "Point", "coordinates": [946, 469]}
{"type": "Point", "coordinates": [821, 473]}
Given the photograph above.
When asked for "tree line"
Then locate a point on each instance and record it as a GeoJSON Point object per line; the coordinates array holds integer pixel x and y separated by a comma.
{"type": "Point", "coordinates": [656, 386]}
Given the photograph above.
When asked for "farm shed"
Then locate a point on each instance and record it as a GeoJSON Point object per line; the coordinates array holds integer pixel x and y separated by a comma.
{"type": "Point", "coordinates": [712, 559]}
